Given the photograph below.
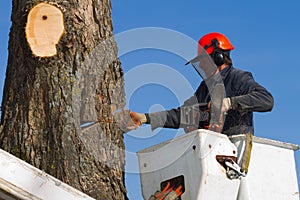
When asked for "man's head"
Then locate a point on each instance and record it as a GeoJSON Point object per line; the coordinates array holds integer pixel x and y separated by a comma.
{"type": "Point", "coordinates": [217, 46]}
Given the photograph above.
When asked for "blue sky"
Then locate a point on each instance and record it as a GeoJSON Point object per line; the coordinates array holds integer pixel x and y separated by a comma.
{"type": "Point", "coordinates": [264, 33]}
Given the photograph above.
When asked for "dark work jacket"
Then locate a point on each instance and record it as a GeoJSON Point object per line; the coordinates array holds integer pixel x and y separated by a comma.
{"type": "Point", "coordinates": [246, 95]}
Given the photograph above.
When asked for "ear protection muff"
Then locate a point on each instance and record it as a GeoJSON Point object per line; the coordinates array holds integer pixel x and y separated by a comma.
{"type": "Point", "coordinates": [217, 55]}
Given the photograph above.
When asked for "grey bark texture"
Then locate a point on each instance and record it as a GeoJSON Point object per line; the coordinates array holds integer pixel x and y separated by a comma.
{"type": "Point", "coordinates": [45, 100]}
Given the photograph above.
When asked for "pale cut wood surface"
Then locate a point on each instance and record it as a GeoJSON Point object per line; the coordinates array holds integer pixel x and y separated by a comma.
{"type": "Point", "coordinates": [44, 28]}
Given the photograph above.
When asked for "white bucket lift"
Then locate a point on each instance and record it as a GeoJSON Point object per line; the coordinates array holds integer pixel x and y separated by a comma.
{"type": "Point", "coordinates": [191, 160]}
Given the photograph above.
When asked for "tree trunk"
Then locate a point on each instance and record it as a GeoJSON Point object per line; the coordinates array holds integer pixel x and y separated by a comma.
{"type": "Point", "coordinates": [48, 96]}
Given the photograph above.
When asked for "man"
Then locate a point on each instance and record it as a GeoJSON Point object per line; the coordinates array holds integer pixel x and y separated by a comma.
{"type": "Point", "coordinates": [243, 96]}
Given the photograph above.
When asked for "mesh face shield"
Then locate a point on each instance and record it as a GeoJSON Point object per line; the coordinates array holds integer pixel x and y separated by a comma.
{"type": "Point", "coordinates": [206, 68]}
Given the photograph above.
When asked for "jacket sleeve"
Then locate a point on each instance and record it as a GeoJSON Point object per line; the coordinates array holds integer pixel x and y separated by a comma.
{"type": "Point", "coordinates": [251, 96]}
{"type": "Point", "coordinates": [169, 118]}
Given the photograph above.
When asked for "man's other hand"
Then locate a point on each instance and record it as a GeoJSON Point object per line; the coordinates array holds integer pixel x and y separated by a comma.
{"type": "Point", "coordinates": [226, 105]}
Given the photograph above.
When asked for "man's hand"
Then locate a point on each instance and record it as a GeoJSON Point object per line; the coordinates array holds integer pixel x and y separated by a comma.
{"type": "Point", "coordinates": [138, 118]}
{"type": "Point", "coordinates": [226, 105]}
{"type": "Point", "coordinates": [128, 120]}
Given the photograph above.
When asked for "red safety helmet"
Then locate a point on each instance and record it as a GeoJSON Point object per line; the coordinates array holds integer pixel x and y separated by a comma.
{"type": "Point", "coordinates": [212, 40]}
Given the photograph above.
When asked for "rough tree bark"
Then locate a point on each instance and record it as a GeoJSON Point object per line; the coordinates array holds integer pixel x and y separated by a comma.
{"type": "Point", "coordinates": [47, 98]}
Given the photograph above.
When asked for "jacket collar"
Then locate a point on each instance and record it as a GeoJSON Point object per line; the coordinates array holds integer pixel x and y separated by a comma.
{"type": "Point", "coordinates": [226, 71]}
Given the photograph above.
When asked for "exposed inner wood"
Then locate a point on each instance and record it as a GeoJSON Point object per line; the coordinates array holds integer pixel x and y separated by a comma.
{"type": "Point", "coordinates": [44, 28]}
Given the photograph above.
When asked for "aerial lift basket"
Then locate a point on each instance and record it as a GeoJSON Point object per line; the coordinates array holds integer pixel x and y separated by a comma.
{"type": "Point", "coordinates": [197, 162]}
